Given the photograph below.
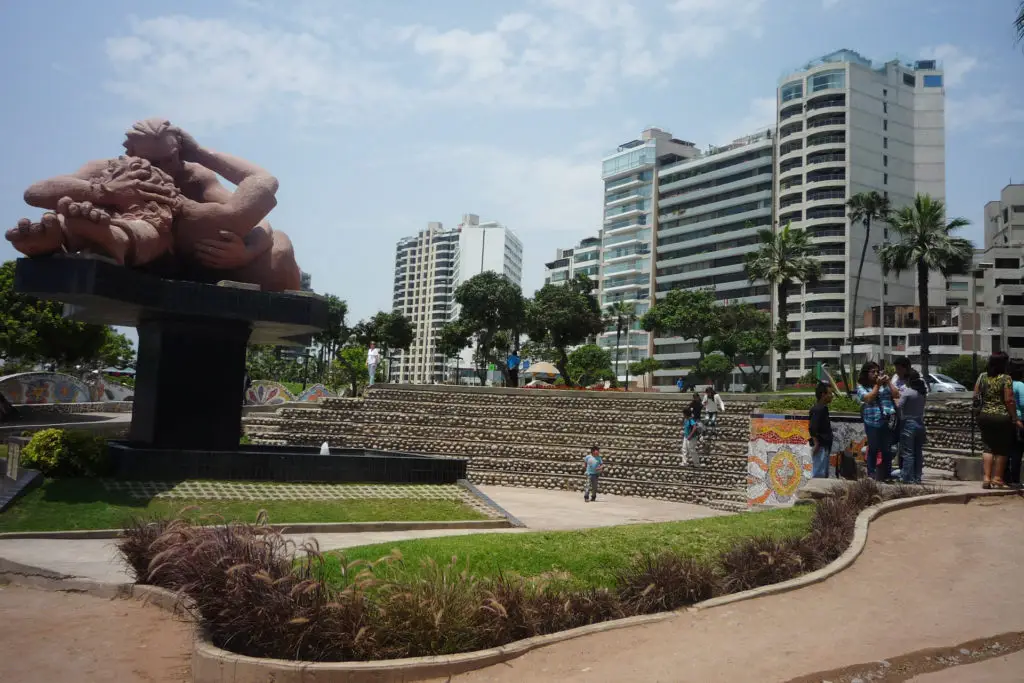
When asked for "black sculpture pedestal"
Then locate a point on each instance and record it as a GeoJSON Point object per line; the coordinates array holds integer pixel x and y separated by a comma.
{"type": "Point", "coordinates": [192, 340]}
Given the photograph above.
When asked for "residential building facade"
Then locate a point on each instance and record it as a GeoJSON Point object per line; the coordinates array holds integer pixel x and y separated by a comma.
{"type": "Point", "coordinates": [583, 259]}
{"type": "Point", "coordinates": [710, 209]}
{"type": "Point", "coordinates": [845, 126]}
{"type": "Point", "coordinates": [1002, 322]}
{"type": "Point", "coordinates": [627, 236]}
{"type": "Point", "coordinates": [424, 272]}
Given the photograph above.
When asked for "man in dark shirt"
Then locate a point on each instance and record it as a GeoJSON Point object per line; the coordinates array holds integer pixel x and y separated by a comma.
{"type": "Point", "coordinates": [820, 432]}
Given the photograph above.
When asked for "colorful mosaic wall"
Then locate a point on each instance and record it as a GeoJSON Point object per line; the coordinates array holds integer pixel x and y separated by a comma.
{"type": "Point", "coordinates": [267, 393]}
{"type": "Point", "coordinates": [779, 455]}
{"type": "Point", "coordinates": [44, 387]}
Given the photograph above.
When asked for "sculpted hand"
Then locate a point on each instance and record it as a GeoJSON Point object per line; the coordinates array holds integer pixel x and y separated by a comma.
{"type": "Point", "coordinates": [188, 146]}
{"type": "Point", "coordinates": [224, 252]}
{"type": "Point", "coordinates": [131, 190]}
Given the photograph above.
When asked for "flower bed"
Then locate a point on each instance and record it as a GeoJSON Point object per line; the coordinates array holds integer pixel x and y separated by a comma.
{"type": "Point", "coordinates": [254, 594]}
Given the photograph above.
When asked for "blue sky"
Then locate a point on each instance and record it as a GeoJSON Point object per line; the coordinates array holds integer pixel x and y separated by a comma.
{"type": "Point", "coordinates": [379, 117]}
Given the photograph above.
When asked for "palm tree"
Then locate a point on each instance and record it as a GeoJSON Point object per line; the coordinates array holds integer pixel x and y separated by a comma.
{"type": "Point", "coordinates": [1018, 25]}
{"type": "Point", "coordinates": [784, 258]}
{"type": "Point", "coordinates": [622, 314]}
{"type": "Point", "coordinates": [926, 244]}
{"type": "Point", "coordinates": [864, 207]}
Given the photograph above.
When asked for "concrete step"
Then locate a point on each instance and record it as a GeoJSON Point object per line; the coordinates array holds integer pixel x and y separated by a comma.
{"type": "Point", "coordinates": [705, 475]}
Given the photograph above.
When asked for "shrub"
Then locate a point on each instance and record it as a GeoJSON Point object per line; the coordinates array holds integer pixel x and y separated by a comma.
{"type": "Point", "coordinates": [136, 542]}
{"type": "Point", "coordinates": [67, 453]}
{"type": "Point", "coordinates": [659, 583]}
{"type": "Point", "coordinates": [763, 561]}
{"type": "Point", "coordinates": [831, 529]}
{"type": "Point", "coordinates": [802, 404]}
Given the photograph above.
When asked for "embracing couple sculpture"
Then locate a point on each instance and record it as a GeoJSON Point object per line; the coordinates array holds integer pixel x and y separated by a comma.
{"type": "Point", "coordinates": [161, 208]}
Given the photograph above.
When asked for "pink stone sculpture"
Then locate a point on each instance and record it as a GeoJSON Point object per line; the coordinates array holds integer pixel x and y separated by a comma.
{"type": "Point", "coordinates": [162, 208]}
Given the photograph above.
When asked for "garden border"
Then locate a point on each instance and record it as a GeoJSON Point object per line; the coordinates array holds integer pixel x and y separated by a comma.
{"type": "Point", "coordinates": [211, 664]}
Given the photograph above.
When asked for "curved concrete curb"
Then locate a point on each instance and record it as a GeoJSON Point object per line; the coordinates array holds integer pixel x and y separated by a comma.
{"type": "Point", "coordinates": [298, 528]}
{"type": "Point", "coordinates": [211, 664]}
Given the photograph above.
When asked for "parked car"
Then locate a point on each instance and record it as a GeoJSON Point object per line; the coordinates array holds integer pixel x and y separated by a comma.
{"type": "Point", "coordinates": [944, 384]}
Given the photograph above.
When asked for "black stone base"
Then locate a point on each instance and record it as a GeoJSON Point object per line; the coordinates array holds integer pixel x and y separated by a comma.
{"type": "Point", "coordinates": [283, 464]}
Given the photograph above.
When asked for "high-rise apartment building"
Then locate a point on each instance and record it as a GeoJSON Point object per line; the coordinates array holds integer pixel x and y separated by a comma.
{"type": "Point", "coordinates": [424, 272]}
{"type": "Point", "coordinates": [710, 209]}
{"type": "Point", "coordinates": [1002, 322]}
{"type": "Point", "coordinates": [627, 236]}
{"type": "Point", "coordinates": [583, 259]}
{"type": "Point", "coordinates": [845, 126]}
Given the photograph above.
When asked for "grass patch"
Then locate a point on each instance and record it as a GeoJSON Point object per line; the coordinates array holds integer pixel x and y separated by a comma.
{"type": "Point", "coordinates": [69, 504]}
{"type": "Point", "coordinates": [588, 558]}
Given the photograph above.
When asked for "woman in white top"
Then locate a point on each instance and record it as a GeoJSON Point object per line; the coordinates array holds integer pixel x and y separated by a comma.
{"type": "Point", "coordinates": [712, 404]}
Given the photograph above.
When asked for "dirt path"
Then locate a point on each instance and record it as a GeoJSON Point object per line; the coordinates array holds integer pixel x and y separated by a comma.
{"type": "Point", "coordinates": [930, 577]}
{"type": "Point", "coordinates": [74, 638]}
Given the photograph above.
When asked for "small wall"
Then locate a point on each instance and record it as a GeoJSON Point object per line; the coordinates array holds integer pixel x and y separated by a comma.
{"type": "Point", "coordinates": [33, 388]}
{"type": "Point", "coordinates": [267, 393]}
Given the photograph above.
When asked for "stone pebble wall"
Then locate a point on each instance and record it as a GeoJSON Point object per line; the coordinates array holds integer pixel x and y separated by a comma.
{"type": "Point", "coordinates": [539, 440]}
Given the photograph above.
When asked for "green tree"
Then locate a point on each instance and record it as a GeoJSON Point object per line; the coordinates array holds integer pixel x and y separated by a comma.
{"type": "Point", "coordinates": [117, 351]}
{"type": "Point", "coordinates": [783, 259]}
{"type": "Point", "coordinates": [492, 311]}
{"type": "Point", "coordinates": [561, 316]}
{"type": "Point", "coordinates": [685, 313]}
{"type": "Point", "coordinates": [391, 331]}
{"type": "Point", "coordinates": [1018, 26]}
{"type": "Point", "coordinates": [925, 244]}
{"type": "Point", "coordinates": [715, 367]}
{"type": "Point", "coordinates": [621, 314]}
{"type": "Point", "coordinates": [36, 331]}
{"type": "Point", "coordinates": [335, 334]}
{"type": "Point", "coordinates": [644, 368]}
{"type": "Point", "coordinates": [744, 336]}
{"type": "Point", "coordinates": [961, 369]}
{"type": "Point", "coordinates": [588, 364]}
{"type": "Point", "coordinates": [451, 342]}
{"type": "Point", "coordinates": [864, 207]}
{"type": "Point", "coordinates": [349, 369]}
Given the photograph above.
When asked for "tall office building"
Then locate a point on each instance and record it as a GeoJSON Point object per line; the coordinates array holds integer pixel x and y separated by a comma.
{"type": "Point", "coordinates": [583, 259]}
{"type": "Point", "coordinates": [847, 125]}
{"type": "Point", "coordinates": [710, 209]}
{"type": "Point", "coordinates": [424, 272]}
{"type": "Point", "coordinates": [1002, 322]}
{"type": "Point", "coordinates": [630, 223]}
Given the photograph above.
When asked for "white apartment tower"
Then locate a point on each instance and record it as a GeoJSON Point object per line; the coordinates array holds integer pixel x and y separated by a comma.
{"type": "Point", "coordinates": [1002, 322]}
{"type": "Point", "coordinates": [710, 210]}
{"type": "Point", "coordinates": [627, 235]}
{"type": "Point", "coordinates": [424, 271]}
{"type": "Point", "coordinates": [847, 125]}
{"type": "Point", "coordinates": [583, 259]}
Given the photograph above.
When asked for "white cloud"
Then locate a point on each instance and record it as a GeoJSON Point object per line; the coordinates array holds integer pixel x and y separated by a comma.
{"type": "Point", "coordinates": [760, 114]}
{"type": "Point", "coordinates": [329, 68]}
{"type": "Point", "coordinates": [983, 110]}
{"type": "Point", "coordinates": [955, 62]}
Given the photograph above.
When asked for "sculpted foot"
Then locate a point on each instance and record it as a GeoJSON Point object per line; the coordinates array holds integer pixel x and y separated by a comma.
{"type": "Point", "coordinates": [37, 239]}
{"type": "Point", "coordinates": [91, 225]}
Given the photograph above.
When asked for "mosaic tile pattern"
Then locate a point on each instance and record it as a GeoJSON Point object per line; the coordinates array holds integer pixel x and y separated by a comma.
{"type": "Point", "coordinates": [262, 491]}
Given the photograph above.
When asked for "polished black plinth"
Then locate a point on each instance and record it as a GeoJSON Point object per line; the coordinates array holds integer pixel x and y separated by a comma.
{"type": "Point", "coordinates": [192, 339]}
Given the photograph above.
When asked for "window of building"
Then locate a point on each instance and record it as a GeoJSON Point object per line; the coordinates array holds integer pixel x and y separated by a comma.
{"type": "Point", "coordinates": [885, 178]}
{"type": "Point", "coordinates": [791, 91]}
{"type": "Point", "coordinates": [885, 143]}
{"type": "Point", "coordinates": [885, 160]}
{"type": "Point", "coordinates": [885, 231]}
{"type": "Point", "coordinates": [827, 80]}
{"type": "Point", "coordinates": [909, 79]}
{"type": "Point", "coordinates": [885, 124]}
{"type": "Point", "coordinates": [1018, 208]}
{"type": "Point", "coordinates": [886, 195]}
{"type": "Point", "coordinates": [885, 289]}
{"type": "Point", "coordinates": [885, 107]}
{"type": "Point", "coordinates": [1006, 215]}
{"type": "Point", "coordinates": [932, 81]}
{"type": "Point", "coordinates": [1007, 263]}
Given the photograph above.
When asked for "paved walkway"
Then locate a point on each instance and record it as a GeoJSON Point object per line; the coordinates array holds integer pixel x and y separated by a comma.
{"type": "Point", "coordinates": [932, 576]}
{"type": "Point", "coordinates": [539, 509]}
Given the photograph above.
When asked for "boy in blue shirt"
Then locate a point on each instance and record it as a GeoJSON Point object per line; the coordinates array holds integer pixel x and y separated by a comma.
{"type": "Point", "coordinates": [594, 468]}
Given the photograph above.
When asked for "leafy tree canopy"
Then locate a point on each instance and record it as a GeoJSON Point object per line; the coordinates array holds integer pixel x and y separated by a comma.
{"type": "Point", "coordinates": [561, 316]}
{"type": "Point", "coordinates": [590, 364]}
{"type": "Point", "coordinates": [686, 313]}
{"type": "Point", "coordinates": [493, 311]}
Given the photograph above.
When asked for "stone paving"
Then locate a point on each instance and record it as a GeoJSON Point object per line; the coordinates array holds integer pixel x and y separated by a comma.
{"type": "Point", "coordinates": [266, 491]}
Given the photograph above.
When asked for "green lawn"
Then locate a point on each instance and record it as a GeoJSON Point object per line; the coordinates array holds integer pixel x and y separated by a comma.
{"type": "Point", "coordinates": [584, 558]}
{"type": "Point", "coordinates": [65, 504]}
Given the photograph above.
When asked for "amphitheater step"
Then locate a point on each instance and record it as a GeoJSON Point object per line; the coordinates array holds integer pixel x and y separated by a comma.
{"type": "Point", "coordinates": [675, 473]}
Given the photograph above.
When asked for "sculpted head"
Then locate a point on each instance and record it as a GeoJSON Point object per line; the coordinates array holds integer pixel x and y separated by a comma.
{"type": "Point", "coordinates": [156, 141]}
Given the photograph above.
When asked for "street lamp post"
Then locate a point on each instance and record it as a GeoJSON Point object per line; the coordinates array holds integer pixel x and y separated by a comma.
{"type": "Point", "coordinates": [976, 272]}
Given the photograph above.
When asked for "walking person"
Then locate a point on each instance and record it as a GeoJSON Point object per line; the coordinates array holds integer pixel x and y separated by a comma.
{"type": "Point", "coordinates": [819, 430]}
{"type": "Point", "coordinates": [594, 465]}
{"type": "Point", "coordinates": [680, 385]}
{"type": "Point", "coordinates": [877, 396]}
{"type": "Point", "coordinates": [1014, 465]}
{"type": "Point", "coordinates": [513, 368]}
{"type": "Point", "coordinates": [912, 431]}
{"type": "Point", "coordinates": [372, 360]}
{"type": "Point", "coordinates": [696, 406]}
{"type": "Point", "coordinates": [691, 438]}
{"type": "Point", "coordinates": [996, 412]}
{"type": "Point", "coordinates": [712, 404]}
